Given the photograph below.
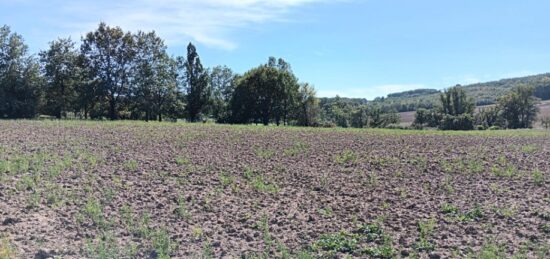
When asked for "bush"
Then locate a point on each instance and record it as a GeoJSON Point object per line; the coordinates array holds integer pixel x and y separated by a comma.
{"type": "Point", "coordinates": [545, 122]}
{"type": "Point", "coordinates": [494, 128]}
{"type": "Point", "coordinates": [457, 122]}
{"type": "Point", "coordinates": [327, 124]}
{"type": "Point", "coordinates": [397, 126]}
{"type": "Point", "coordinates": [480, 127]}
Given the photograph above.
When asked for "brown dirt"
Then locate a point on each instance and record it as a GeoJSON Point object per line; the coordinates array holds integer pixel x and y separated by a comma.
{"type": "Point", "coordinates": [249, 190]}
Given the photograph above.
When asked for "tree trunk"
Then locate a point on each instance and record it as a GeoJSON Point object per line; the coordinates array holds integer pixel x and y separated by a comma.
{"type": "Point", "coordinates": [112, 109]}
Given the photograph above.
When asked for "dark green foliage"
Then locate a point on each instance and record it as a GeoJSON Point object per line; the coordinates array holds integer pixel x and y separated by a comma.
{"type": "Point", "coordinates": [62, 74]}
{"type": "Point", "coordinates": [381, 119]}
{"type": "Point", "coordinates": [308, 106]}
{"type": "Point", "coordinates": [20, 81]}
{"type": "Point", "coordinates": [357, 113]}
{"type": "Point", "coordinates": [456, 110]}
{"type": "Point", "coordinates": [196, 84]}
{"type": "Point", "coordinates": [519, 108]}
{"type": "Point", "coordinates": [421, 117]}
{"type": "Point", "coordinates": [265, 94]}
{"type": "Point", "coordinates": [154, 90]}
{"type": "Point", "coordinates": [545, 122]}
{"type": "Point", "coordinates": [457, 122]}
{"type": "Point", "coordinates": [222, 82]}
{"type": "Point", "coordinates": [454, 102]}
{"type": "Point", "coordinates": [488, 117]}
{"type": "Point", "coordinates": [360, 117]}
{"type": "Point", "coordinates": [108, 54]}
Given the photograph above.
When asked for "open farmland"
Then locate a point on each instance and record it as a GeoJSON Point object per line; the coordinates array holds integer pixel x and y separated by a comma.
{"type": "Point", "coordinates": [159, 190]}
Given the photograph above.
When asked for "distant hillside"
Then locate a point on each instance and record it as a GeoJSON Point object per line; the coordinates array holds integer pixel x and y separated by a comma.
{"type": "Point", "coordinates": [483, 93]}
{"type": "Point", "coordinates": [414, 93]}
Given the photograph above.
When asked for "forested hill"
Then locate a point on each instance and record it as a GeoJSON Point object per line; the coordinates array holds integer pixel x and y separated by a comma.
{"type": "Point", "coordinates": [483, 93]}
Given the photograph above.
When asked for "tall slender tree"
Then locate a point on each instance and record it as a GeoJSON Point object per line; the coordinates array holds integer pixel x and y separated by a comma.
{"type": "Point", "coordinates": [308, 105]}
{"type": "Point", "coordinates": [196, 84]}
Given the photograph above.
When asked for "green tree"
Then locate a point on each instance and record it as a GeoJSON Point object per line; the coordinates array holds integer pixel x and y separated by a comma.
{"type": "Point", "coordinates": [265, 93]}
{"type": "Point", "coordinates": [196, 84]}
{"type": "Point", "coordinates": [256, 95]}
{"type": "Point", "coordinates": [457, 109]}
{"type": "Point", "coordinates": [61, 71]}
{"type": "Point", "coordinates": [489, 116]}
{"type": "Point", "coordinates": [308, 106]}
{"type": "Point", "coordinates": [360, 117]}
{"type": "Point", "coordinates": [545, 122]}
{"type": "Point", "coordinates": [20, 80]}
{"type": "Point", "coordinates": [155, 77]}
{"type": "Point", "coordinates": [421, 117]}
{"type": "Point", "coordinates": [287, 86]}
{"type": "Point", "coordinates": [109, 53]}
{"type": "Point", "coordinates": [380, 119]}
{"type": "Point", "coordinates": [454, 101]}
{"type": "Point", "coordinates": [222, 83]}
{"type": "Point", "coordinates": [519, 107]}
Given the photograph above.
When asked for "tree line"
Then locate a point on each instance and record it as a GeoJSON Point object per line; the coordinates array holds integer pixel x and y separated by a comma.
{"type": "Point", "coordinates": [456, 111]}
{"type": "Point", "coordinates": [483, 93]}
{"type": "Point", "coordinates": [114, 74]}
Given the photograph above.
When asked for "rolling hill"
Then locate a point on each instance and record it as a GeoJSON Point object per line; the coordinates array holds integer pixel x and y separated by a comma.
{"type": "Point", "coordinates": [483, 93]}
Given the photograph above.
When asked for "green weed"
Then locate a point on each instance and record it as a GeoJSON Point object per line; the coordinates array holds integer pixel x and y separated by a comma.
{"type": "Point", "coordinates": [181, 160]}
{"type": "Point", "coordinates": [182, 210]}
{"type": "Point", "coordinates": [264, 153]}
{"type": "Point", "coordinates": [131, 165]}
{"type": "Point", "coordinates": [296, 149]}
{"type": "Point", "coordinates": [346, 157]}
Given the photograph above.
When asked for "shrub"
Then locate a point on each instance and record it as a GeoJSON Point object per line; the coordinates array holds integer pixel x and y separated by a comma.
{"type": "Point", "coordinates": [397, 126]}
{"type": "Point", "coordinates": [545, 122]}
{"type": "Point", "coordinates": [339, 242]}
{"type": "Point", "coordinates": [457, 122]}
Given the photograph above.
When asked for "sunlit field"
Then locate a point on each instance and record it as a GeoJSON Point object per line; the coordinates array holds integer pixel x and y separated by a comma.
{"type": "Point", "coordinates": [74, 189]}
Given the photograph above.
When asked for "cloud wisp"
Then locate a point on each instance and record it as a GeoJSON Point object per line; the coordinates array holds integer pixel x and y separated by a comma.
{"type": "Point", "coordinates": [209, 22]}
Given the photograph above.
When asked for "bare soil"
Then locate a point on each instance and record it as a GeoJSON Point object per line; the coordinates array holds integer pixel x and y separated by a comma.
{"type": "Point", "coordinates": [75, 189]}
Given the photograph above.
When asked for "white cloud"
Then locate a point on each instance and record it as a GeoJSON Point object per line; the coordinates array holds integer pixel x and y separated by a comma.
{"type": "Point", "coordinates": [372, 91]}
{"type": "Point", "coordinates": [210, 22]}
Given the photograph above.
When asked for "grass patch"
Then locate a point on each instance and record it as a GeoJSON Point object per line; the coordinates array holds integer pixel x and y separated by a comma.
{"type": "Point", "coordinates": [264, 153]}
{"type": "Point", "coordinates": [182, 210]}
{"type": "Point", "coordinates": [342, 242]}
{"type": "Point", "coordinates": [7, 251]}
{"type": "Point", "coordinates": [538, 177]}
{"type": "Point", "coordinates": [108, 247]}
{"type": "Point", "coordinates": [346, 157]}
{"type": "Point", "coordinates": [181, 160]}
{"type": "Point", "coordinates": [258, 182]}
{"type": "Point", "coordinates": [131, 165]}
{"type": "Point", "coordinates": [296, 149]}
{"type": "Point", "coordinates": [425, 229]}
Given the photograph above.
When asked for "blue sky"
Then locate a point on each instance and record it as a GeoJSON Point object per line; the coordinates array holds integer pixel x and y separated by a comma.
{"type": "Point", "coordinates": [354, 48]}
